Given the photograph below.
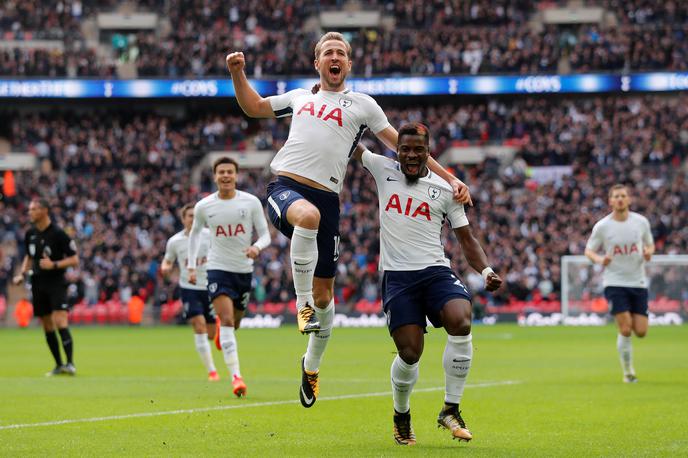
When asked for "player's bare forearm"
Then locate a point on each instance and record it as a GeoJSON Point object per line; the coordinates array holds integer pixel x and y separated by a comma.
{"type": "Point", "coordinates": [474, 253]}
{"type": "Point", "coordinates": [249, 100]}
{"type": "Point", "coordinates": [594, 257]}
{"type": "Point", "coordinates": [26, 265]}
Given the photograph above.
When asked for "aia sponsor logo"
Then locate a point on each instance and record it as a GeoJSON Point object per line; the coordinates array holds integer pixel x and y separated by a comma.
{"type": "Point", "coordinates": [324, 113]}
{"type": "Point", "coordinates": [410, 207]}
{"type": "Point", "coordinates": [229, 230]}
{"type": "Point", "coordinates": [625, 249]}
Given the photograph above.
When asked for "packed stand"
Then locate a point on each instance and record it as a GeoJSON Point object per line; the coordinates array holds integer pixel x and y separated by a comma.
{"type": "Point", "coordinates": [429, 38]}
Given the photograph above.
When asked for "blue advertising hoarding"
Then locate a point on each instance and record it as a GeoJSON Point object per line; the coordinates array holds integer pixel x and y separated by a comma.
{"type": "Point", "coordinates": [403, 86]}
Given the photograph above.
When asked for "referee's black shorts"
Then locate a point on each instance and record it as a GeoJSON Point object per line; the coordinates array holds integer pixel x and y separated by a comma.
{"type": "Point", "coordinates": [49, 297]}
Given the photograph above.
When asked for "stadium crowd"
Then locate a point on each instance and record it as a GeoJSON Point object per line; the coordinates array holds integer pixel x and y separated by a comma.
{"type": "Point", "coordinates": [117, 188]}
{"type": "Point", "coordinates": [458, 37]}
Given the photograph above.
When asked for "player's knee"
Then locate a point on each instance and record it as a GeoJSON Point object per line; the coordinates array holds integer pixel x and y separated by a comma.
{"type": "Point", "coordinates": [308, 217]}
{"type": "Point", "coordinates": [227, 321]}
{"type": "Point", "coordinates": [625, 331]}
{"type": "Point", "coordinates": [410, 355]}
{"type": "Point", "coordinates": [458, 324]}
{"type": "Point", "coordinates": [640, 333]}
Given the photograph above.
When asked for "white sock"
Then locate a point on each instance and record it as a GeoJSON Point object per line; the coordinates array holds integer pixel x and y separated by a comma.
{"type": "Point", "coordinates": [625, 348]}
{"type": "Point", "coordinates": [458, 354]}
{"type": "Point", "coordinates": [317, 341]}
{"type": "Point", "coordinates": [304, 257]}
{"type": "Point", "coordinates": [404, 377]}
{"type": "Point", "coordinates": [229, 350]}
{"type": "Point", "coordinates": [203, 349]}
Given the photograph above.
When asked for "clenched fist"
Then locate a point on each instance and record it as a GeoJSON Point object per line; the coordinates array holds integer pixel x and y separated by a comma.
{"type": "Point", "coordinates": [235, 62]}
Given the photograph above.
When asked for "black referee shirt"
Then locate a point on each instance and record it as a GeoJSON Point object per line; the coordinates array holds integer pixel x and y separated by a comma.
{"type": "Point", "coordinates": [52, 242]}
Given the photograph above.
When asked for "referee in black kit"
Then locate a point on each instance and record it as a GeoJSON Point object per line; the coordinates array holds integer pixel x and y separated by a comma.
{"type": "Point", "coordinates": [49, 251]}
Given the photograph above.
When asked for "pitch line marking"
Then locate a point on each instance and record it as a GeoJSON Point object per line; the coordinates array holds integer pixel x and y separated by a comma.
{"type": "Point", "coordinates": [232, 407]}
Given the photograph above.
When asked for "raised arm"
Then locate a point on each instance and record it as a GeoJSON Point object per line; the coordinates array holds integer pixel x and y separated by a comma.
{"type": "Point", "coordinates": [476, 257]}
{"type": "Point", "coordinates": [249, 100]}
{"type": "Point", "coordinates": [390, 136]}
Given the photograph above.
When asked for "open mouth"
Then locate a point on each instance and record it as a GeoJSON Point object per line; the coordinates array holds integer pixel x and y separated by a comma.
{"type": "Point", "coordinates": [335, 69]}
{"type": "Point", "coordinates": [412, 168]}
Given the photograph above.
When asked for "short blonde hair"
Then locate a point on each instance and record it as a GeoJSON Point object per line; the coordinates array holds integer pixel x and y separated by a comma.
{"type": "Point", "coordinates": [332, 36]}
{"type": "Point", "coordinates": [616, 187]}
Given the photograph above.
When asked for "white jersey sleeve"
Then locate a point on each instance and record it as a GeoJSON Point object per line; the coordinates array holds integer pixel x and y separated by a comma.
{"type": "Point", "coordinates": [375, 163]}
{"type": "Point", "coordinates": [647, 232]}
{"type": "Point", "coordinates": [170, 252]}
{"type": "Point", "coordinates": [282, 105]}
{"type": "Point", "coordinates": [596, 239]}
{"type": "Point", "coordinates": [376, 120]}
{"type": "Point", "coordinates": [456, 215]}
{"type": "Point", "coordinates": [199, 223]}
{"type": "Point", "coordinates": [260, 225]}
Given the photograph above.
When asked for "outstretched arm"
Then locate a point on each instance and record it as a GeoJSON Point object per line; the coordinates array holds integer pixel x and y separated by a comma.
{"type": "Point", "coordinates": [249, 100]}
{"type": "Point", "coordinates": [476, 257]}
{"type": "Point", "coordinates": [390, 136]}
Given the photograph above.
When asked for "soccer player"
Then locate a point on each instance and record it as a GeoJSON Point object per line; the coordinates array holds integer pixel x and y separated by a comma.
{"type": "Point", "coordinates": [627, 242]}
{"type": "Point", "coordinates": [197, 308]}
{"type": "Point", "coordinates": [49, 252]}
{"type": "Point", "coordinates": [303, 201]}
{"type": "Point", "coordinates": [417, 281]}
{"type": "Point", "coordinates": [232, 216]}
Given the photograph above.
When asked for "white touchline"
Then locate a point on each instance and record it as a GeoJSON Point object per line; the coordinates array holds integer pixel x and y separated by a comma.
{"type": "Point", "coordinates": [241, 406]}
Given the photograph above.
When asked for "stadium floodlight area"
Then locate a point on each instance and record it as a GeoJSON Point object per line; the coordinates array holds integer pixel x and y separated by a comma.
{"type": "Point", "coordinates": [582, 291]}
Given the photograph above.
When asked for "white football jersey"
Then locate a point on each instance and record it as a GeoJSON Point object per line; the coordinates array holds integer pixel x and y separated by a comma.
{"type": "Point", "coordinates": [325, 129]}
{"type": "Point", "coordinates": [231, 223]}
{"type": "Point", "coordinates": [623, 241]}
{"type": "Point", "coordinates": [412, 215]}
{"type": "Point", "coordinates": [177, 249]}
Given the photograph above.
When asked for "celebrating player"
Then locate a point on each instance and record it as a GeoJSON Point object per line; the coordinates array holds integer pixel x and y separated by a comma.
{"type": "Point", "coordinates": [49, 251]}
{"type": "Point", "coordinates": [627, 242]}
{"type": "Point", "coordinates": [197, 308]}
{"type": "Point", "coordinates": [418, 281]}
{"type": "Point", "coordinates": [231, 215]}
{"type": "Point", "coordinates": [303, 202]}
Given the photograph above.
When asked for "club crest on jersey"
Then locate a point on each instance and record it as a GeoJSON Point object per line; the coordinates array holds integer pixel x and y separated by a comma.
{"type": "Point", "coordinates": [242, 213]}
{"type": "Point", "coordinates": [346, 103]}
{"type": "Point", "coordinates": [212, 287]}
{"type": "Point", "coordinates": [284, 195]}
{"type": "Point", "coordinates": [434, 192]}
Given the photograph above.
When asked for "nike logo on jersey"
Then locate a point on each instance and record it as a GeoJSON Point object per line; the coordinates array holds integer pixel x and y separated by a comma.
{"type": "Point", "coordinates": [391, 179]}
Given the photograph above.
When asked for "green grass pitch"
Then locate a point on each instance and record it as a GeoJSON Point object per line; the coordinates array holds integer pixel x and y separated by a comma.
{"type": "Point", "coordinates": [532, 392]}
